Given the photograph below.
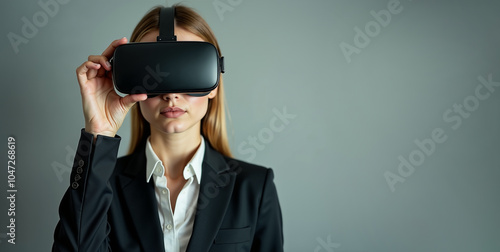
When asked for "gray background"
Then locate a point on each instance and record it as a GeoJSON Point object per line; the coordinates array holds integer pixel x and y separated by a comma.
{"type": "Point", "coordinates": [352, 119]}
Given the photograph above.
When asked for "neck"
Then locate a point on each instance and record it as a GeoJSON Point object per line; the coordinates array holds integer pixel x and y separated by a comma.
{"type": "Point", "coordinates": [175, 150]}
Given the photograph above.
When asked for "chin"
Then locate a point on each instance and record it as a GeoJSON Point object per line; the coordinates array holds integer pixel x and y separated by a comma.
{"type": "Point", "coordinates": [177, 125]}
{"type": "Point", "coordinates": [174, 127]}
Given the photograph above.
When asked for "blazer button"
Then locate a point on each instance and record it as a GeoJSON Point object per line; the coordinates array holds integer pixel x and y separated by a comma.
{"type": "Point", "coordinates": [80, 163]}
{"type": "Point", "coordinates": [74, 185]}
{"type": "Point", "coordinates": [79, 170]}
{"type": "Point", "coordinates": [77, 177]}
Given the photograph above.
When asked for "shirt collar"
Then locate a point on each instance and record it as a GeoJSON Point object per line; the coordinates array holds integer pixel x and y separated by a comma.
{"type": "Point", "coordinates": [154, 166]}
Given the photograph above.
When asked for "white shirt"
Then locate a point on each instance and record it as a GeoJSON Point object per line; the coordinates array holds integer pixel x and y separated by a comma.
{"type": "Point", "coordinates": [177, 227]}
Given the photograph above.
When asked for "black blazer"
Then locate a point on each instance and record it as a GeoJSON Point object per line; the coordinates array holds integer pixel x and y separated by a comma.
{"type": "Point", "coordinates": [109, 205]}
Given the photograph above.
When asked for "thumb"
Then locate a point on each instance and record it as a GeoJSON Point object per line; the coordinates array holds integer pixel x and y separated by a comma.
{"type": "Point", "coordinates": [129, 100]}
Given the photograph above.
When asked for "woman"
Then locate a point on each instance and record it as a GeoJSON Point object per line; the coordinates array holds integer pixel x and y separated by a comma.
{"type": "Point", "coordinates": [178, 189]}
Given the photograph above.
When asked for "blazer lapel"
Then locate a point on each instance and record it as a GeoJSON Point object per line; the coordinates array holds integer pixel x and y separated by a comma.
{"type": "Point", "coordinates": [141, 202]}
{"type": "Point", "coordinates": [216, 188]}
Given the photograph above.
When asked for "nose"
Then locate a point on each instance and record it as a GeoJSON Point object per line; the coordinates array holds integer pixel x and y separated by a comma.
{"type": "Point", "coordinates": [170, 96]}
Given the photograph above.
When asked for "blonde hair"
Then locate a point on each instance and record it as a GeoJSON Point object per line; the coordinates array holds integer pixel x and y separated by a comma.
{"type": "Point", "coordinates": [213, 125]}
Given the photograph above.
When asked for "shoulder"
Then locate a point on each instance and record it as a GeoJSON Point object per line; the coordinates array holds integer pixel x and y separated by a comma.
{"type": "Point", "coordinates": [243, 169]}
{"type": "Point", "coordinates": [250, 176]}
{"type": "Point", "coordinates": [240, 166]}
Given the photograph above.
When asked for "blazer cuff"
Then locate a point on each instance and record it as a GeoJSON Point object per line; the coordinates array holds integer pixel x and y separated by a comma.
{"type": "Point", "coordinates": [89, 151]}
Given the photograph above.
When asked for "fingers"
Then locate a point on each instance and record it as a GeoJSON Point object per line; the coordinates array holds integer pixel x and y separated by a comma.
{"type": "Point", "coordinates": [102, 60]}
{"type": "Point", "coordinates": [86, 71]}
{"type": "Point", "coordinates": [98, 65]}
{"type": "Point", "coordinates": [111, 48]}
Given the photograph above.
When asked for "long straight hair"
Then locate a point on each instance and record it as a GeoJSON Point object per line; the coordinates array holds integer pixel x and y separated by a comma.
{"type": "Point", "coordinates": [213, 125]}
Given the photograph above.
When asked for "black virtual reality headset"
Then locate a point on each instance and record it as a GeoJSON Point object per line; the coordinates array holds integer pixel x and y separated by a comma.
{"type": "Point", "coordinates": [167, 65]}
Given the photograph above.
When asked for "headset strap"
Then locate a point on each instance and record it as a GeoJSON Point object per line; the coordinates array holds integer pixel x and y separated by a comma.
{"type": "Point", "coordinates": [167, 24]}
{"type": "Point", "coordinates": [167, 15]}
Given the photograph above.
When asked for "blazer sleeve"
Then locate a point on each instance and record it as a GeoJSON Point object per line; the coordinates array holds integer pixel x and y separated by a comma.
{"type": "Point", "coordinates": [269, 230]}
{"type": "Point", "coordinates": [83, 224]}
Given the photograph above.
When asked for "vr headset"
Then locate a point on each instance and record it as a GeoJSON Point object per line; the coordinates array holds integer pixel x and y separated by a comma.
{"type": "Point", "coordinates": [167, 65]}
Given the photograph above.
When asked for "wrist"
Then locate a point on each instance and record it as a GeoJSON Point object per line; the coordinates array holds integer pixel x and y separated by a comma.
{"type": "Point", "coordinates": [102, 133]}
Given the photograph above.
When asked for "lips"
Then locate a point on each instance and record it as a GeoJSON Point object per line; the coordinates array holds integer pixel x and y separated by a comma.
{"type": "Point", "coordinates": [172, 109]}
{"type": "Point", "coordinates": [172, 112]}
